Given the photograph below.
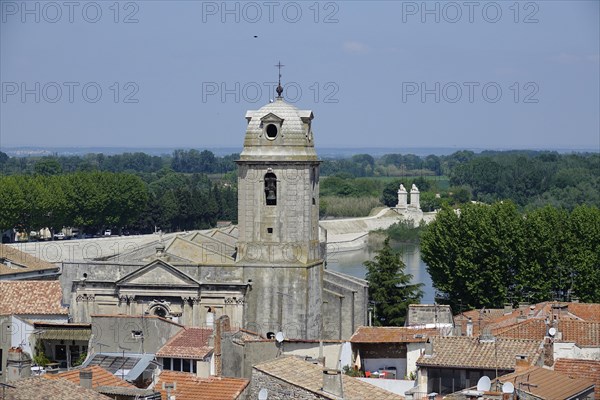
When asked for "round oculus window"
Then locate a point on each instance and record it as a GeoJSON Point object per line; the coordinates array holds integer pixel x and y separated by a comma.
{"type": "Point", "coordinates": [271, 131]}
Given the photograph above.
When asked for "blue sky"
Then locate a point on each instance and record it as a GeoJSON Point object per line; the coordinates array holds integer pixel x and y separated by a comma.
{"type": "Point", "coordinates": [376, 74]}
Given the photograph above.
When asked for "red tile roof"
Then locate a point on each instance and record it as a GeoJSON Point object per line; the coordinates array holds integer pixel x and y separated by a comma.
{"type": "Point", "coordinates": [391, 334]}
{"type": "Point", "coordinates": [589, 369]}
{"type": "Point", "coordinates": [528, 329]}
{"type": "Point", "coordinates": [100, 377]}
{"type": "Point", "coordinates": [191, 387]}
{"type": "Point", "coordinates": [496, 319]}
{"type": "Point", "coordinates": [583, 333]}
{"type": "Point", "coordinates": [192, 343]}
{"type": "Point", "coordinates": [585, 311]}
{"type": "Point", "coordinates": [468, 352]}
{"type": "Point", "coordinates": [548, 384]}
{"type": "Point", "coordinates": [31, 297]}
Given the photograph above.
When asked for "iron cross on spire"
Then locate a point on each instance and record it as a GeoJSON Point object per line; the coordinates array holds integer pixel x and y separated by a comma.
{"type": "Point", "coordinates": [279, 89]}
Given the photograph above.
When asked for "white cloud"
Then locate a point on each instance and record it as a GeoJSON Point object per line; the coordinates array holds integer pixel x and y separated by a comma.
{"type": "Point", "coordinates": [354, 47]}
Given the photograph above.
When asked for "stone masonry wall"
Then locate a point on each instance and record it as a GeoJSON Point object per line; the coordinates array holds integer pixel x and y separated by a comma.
{"type": "Point", "coordinates": [278, 389]}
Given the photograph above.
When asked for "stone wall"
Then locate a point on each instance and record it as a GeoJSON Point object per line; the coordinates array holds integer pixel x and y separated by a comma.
{"type": "Point", "coordinates": [345, 301]}
{"type": "Point", "coordinates": [113, 331]}
{"type": "Point", "coordinates": [277, 389]}
{"type": "Point", "coordinates": [284, 298]}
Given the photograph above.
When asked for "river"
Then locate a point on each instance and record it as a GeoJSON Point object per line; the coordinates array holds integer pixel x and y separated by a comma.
{"type": "Point", "coordinates": [351, 263]}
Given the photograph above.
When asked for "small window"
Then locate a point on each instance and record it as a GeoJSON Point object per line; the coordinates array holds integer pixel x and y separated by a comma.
{"type": "Point", "coordinates": [314, 202]}
{"type": "Point", "coordinates": [269, 230]}
{"type": "Point", "coordinates": [271, 131]}
{"type": "Point", "coordinates": [167, 364]}
{"type": "Point", "coordinates": [177, 364]}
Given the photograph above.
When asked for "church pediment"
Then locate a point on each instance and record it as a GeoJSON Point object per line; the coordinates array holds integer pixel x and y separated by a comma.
{"type": "Point", "coordinates": [157, 273]}
{"type": "Point", "coordinates": [270, 117]}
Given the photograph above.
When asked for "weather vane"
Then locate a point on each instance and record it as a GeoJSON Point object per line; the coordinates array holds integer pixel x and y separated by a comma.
{"type": "Point", "coordinates": [279, 89]}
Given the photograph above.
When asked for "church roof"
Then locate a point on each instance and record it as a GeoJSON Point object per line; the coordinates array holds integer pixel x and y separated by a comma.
{"type": "Point", "coordinates": [294, 136]}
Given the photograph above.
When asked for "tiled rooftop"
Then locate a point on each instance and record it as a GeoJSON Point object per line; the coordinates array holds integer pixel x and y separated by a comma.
{"type": "Point", "coordinates": [583, 333]}
{"type": "Point", "coordinates": [389, 334]}
{"type": "Point", "coordinates": [191, 387]}
{"type": "Point", "coordinates": [548, 384]}
{"type": "Point", "coordinates": [192, 343]}
{"type": "Point", "coordinates": [31, 297]}
{"type": "Point", "coordinates": [48, 389]}
{"type": "Point", "coordinates": [310, 377]}
{"type": "Point", "coordinates": [100, 377]}
{"type": "Point", "coordinates": [14, 261]}
{"type": "Point", "coordinates": [589, 369]}
{"type": "Point", "coordinates": [468, 352]}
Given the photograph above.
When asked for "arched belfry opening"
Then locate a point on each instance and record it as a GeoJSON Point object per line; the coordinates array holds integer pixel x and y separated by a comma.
{"type": "Point", "coordinates": [271, 189]}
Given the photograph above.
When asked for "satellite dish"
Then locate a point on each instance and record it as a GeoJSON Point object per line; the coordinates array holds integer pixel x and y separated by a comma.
{"type": "Point", "coordinates": [484, 384]}
{"type": "Point", "coordinates": [279, 337]}
{"type": "Point", "coordinates": [263, 394]}
{"type": "Point", "coordinates": [508, 388]}
{"type": "Point", "coordinates": [552, 332]}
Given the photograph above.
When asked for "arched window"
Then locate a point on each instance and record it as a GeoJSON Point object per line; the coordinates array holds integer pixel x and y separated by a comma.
{"type": "Point", "coordinates": [160, 311]}
{"type": "Point", "coordinates": [271, 189]}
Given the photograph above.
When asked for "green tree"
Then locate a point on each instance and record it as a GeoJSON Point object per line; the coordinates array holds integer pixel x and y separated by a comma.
{"type": "Point", "coordinates": [48, 166]}
{"type": "Point", "coordinates": [390, 289]}
{"type": "Point", "coordinates": [473, 254]}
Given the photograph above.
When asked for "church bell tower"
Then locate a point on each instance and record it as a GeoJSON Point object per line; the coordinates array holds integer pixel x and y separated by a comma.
{"type": "Point", "coordinates": [278, 216]}
{"type": "Point", "coordinates": [278, 187]}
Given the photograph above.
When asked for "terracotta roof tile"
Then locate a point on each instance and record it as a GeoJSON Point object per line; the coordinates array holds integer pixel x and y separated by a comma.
{"type": "Point", "coordinates": [468, 352]}
{"type": "Point", "coordinates": [31, 297]}
{"type": "Point", "coordinates": [190, 343]}
{"type": "Point", "coordinates": [583, 333]}
{"type": "Point", "coordinates": [549, 384]}
{"type": "Point", "coordinates": [586, 311]}
{"type": "Point", "coordinates": [589, 369]}
{"type": "Point", "coordinates": [389, 334]}
{"type": "Point", "coordinates": [528, 329]}
{"type": "Point", "coordinates": [310, 377]}
{"type": "Point", "coordinates": [496, 319]}
{"type": "Point", "coordinates": [191, 387]}
{"type": "Point", "coordinates": [32, 388]}
{"type": "Point", "coordinates": [100, 377]}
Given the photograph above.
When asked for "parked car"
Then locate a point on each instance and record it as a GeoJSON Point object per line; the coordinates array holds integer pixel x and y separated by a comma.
{"type": "Point", "coordinates": [108, 232]}
{"type": "Point", "coordinates": [59, 236]}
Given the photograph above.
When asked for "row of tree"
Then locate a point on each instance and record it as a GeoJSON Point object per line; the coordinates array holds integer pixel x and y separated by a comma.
{"type": "Point", "coordinates": [488, 255]}
{"type": "Point", "coordinates": [94, 201]}
{"type": "Point", "coordinates": [188, 161]}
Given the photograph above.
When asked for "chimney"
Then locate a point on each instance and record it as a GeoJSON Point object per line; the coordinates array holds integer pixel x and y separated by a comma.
{"type": "Point", "coordinates": [521, 317]}
{"type": "Point", "coordinates": [18, 364]}
{"type": "Point", "coordinates": [85, 378]}
{"type": "Point", "coordinates": [470, 327]}
{"type": "Point", "coordinates": [521, 363]}
{"type": "Point", "coordinates": [428, 348]}
{"type": "Point", "coordinates": [332, 382]}
{"type": "Point", "coordinates": [222, 327]}
{"type": "Point", "coordinates": [507, 308]}
{"type": "Point", "coordinates": [160, 250]}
